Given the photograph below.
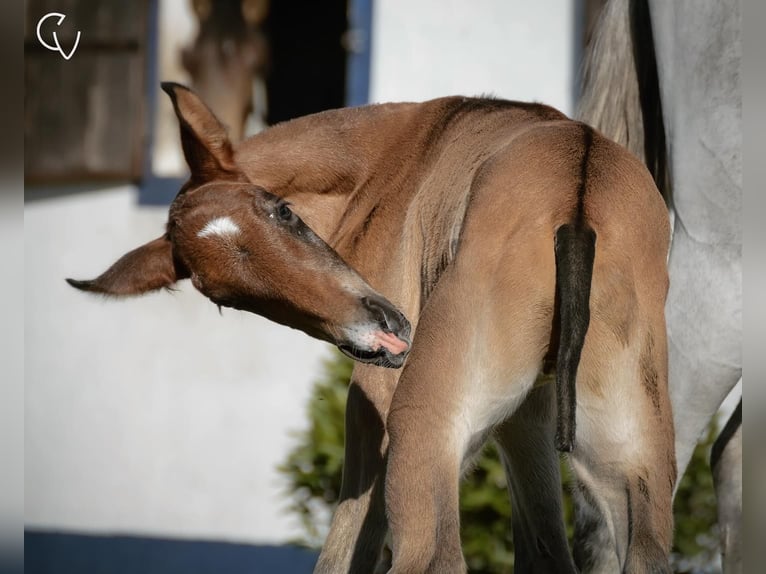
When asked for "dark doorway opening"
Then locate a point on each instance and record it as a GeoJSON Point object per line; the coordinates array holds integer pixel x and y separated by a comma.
{"type": "Point", "coordinates": [308, 57]}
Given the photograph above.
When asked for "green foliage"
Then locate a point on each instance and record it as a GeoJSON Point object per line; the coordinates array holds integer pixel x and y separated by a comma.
{"type": "Point", "coordinates": [485, 516]}
{"type": "Point", "coordinates": [314, 467]}
{"type": "Point", "coordinates": [696, 540]}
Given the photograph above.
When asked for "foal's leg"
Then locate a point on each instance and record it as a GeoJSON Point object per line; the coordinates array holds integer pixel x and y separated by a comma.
{"type": "Point", "coordinates": [623, 457]}
{"type": "Point", "coordinates": [359, 524]}
{"type": "Point", "coordinates": [534, 479]}
{"type": "Point", "coordinates": [476, 355]}
{"type": "Point", "coordinates": [726, 462]}
{"type": "Point", "coordinates": [427, 444]}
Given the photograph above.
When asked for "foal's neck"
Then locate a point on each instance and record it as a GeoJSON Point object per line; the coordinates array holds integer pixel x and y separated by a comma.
{"type": "Point", "coordinates": [326, 164]}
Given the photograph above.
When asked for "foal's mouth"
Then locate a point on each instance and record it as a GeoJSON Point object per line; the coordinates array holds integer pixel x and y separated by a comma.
{"type": "Point", "coordinates": [387, 350]}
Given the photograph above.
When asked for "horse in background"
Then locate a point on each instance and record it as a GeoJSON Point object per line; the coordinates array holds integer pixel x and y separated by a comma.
{"type": "Point", "coordinates": [663, 79]}
{"type": "Point", "coordinates": [228, 62]}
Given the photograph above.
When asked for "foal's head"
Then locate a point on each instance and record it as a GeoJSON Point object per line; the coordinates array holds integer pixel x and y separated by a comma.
{"type": "Point", "coordinates": [245, 248]}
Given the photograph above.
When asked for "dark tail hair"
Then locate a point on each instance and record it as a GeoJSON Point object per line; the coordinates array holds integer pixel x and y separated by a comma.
{"type": "Point", "coordinates": [620, 94]}
{"type": "Point", "coordinates": [734, 422]}
{"type": "Point", "coordinates": [575, 250]}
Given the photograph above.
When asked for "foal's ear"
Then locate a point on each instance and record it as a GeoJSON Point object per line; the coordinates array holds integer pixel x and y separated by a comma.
{"type": "Point", "coordinates": [206, 145]}
{"type": "Point", "coordinates": [150, 267]}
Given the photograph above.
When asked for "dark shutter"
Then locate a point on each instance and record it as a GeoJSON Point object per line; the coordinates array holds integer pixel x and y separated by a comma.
{"type": "Point", "coordinates": [85, 117]}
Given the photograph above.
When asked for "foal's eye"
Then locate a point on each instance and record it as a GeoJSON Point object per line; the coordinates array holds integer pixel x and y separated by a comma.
{"type": "Point", "coordinates": [284, 212]}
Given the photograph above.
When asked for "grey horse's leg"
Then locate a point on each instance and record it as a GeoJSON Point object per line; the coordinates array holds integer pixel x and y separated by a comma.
{"type": "Point", "coordinates": [726, 463]}
{"type": "Point", "coordinates": [704, 335]}
{"type": "Point", "coordinates": [534, 480]}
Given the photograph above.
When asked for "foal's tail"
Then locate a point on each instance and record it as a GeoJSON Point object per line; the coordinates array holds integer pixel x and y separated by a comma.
{"type": "Point", "coordinates": [575, 249]}
{"type": "Point", "coordinates": [620, 93]}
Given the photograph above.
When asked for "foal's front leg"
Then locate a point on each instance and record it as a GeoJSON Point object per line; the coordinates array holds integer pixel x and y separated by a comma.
{"type": "Point", "coordinates": [422, 478]}
{"type": "Point", "coordinates": [359, 525]}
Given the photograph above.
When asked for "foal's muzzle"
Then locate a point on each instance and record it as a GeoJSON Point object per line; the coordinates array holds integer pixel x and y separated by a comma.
{"type": "Point", "coordinates": [385, 339]}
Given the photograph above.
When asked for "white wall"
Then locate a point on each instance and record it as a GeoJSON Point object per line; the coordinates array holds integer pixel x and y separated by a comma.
{"type": "Point", "coordinates": [156, 416]}
{"type": "Point", "coordinates": [513, 49]}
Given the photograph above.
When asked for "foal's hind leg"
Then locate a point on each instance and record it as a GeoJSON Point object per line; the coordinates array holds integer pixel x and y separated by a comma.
{"type": "Point", "coordinates": [534, 479]}
{"type": "Point", "coordinates": [359, 525]}
{"type": "Point", "coordinates": [726, 462]}
{"type": "Point", "coordinates": [475, 357]}
{"type": "Point", "coordinates": [623, 457]}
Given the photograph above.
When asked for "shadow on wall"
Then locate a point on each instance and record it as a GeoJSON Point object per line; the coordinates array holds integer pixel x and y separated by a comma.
{"type": "Point", "coordinates": [54, 553]}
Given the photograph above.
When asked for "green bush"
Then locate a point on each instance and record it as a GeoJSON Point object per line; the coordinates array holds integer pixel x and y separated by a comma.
{"type": "Point", "coordinates": [696, 547]}
{"type": "Point", "coordinates": [313, 469]}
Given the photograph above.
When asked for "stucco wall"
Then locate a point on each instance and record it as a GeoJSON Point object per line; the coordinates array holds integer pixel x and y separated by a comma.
{"type": "Point", "coordinates": [508, 48]}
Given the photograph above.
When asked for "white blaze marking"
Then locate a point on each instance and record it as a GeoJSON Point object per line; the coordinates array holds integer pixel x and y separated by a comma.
{"type": "Point", "coordinates": [221, 226]}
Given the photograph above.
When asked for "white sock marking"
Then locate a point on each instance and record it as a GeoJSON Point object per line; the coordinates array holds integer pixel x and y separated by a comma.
{"type": "Point", "coordinates": [221, 226]}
